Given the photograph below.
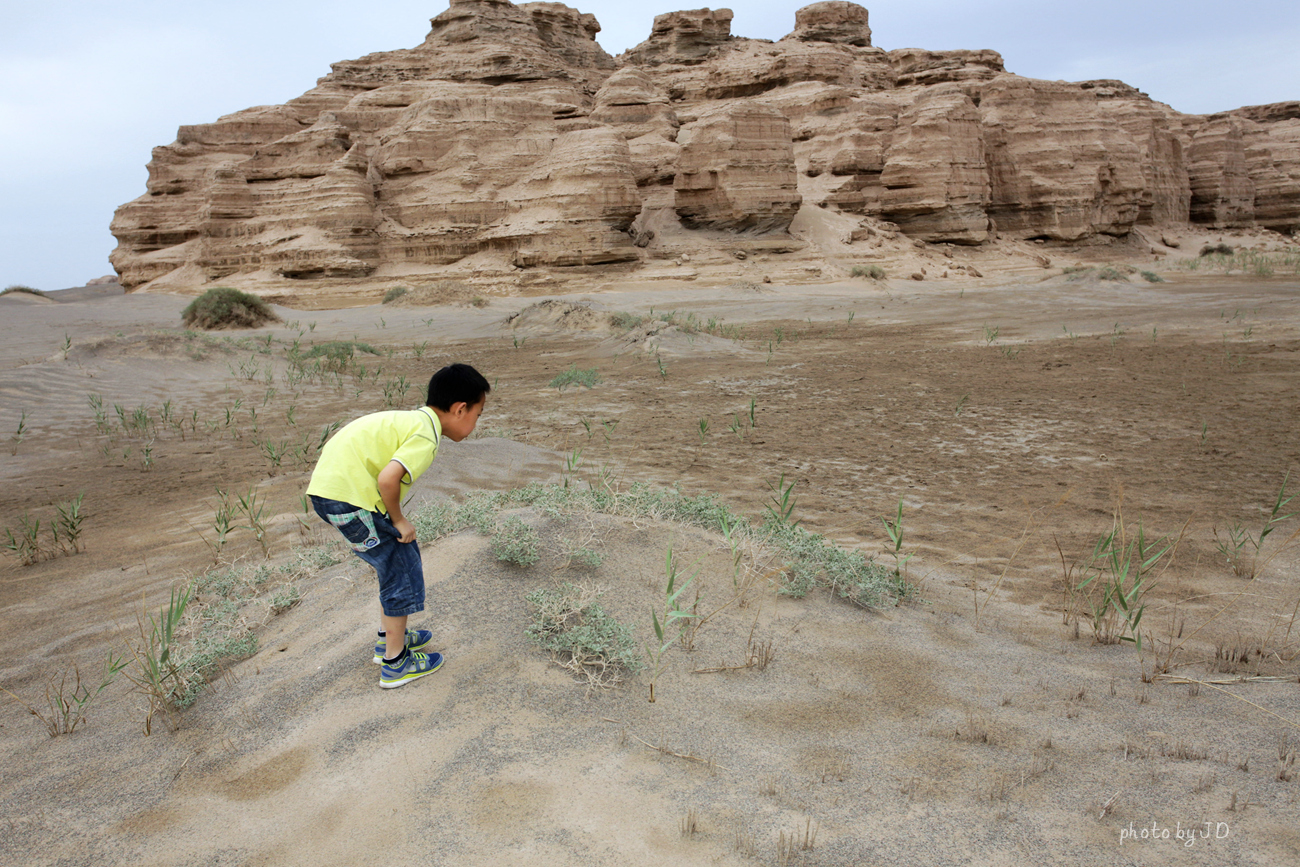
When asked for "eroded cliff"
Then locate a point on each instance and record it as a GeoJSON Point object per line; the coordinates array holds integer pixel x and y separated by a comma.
{"type": "Point", "coordinates": [509, 139]}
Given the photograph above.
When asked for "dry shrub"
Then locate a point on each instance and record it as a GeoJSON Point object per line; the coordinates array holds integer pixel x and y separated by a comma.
{"type": "Point", "coordinates": [431, 294]}
{"type": "Point", "coordinates": [581, 637]}
{"type": "Point", "coordinates": [18, 287]}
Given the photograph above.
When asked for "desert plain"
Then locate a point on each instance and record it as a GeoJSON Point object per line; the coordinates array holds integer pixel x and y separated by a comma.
{"type": "Point", "coordinates": [1011, 420]}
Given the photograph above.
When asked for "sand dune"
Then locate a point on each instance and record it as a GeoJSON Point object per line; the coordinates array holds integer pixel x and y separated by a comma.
{"type": "Point", "coordinates": [971, 725]}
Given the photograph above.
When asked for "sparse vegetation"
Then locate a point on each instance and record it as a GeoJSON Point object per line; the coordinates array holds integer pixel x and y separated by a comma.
{"type": "Point", "coordinates": [1242, 547]}
{"type": "Point", "coordinates": [339, 351]}
{"type": "Point", "coordinates": [394, 293]}
{"type": "Point", "coordinates": [871, 272]}
{"type": "Point", "coordinates": [224, 307]}
{"type": "Point", "coordinates": [515, 542]}
{"type": "Point", "coordinates": [156, 672]}
{"type": "Point", "coordinates": [594, 529]}
{"type": "Point", "coordinates": [672, 628]}
{"type": "Point", "coordinates": [66, 704]}
{"type": "Point", "coordinates": [209, 622]}
{"type": "Point", "coordinates": [808, 560]}
{"type": "Point", "coordinates": [569, 622]}
{"type": "Point", "coordinates": [1108, 272]}
{"type": "Point", "coordinates": [1118, 580]}
{"type": "Point", "coordinates": [894, 530]}
{"type": "Point", "coordinates": [626, 321]}
{"type": "Point", "coordinates": [1222, 258]}
{"type": "Point", "coordinates": [573, 376]}
{"type": "Point", "coordinates": [63, 531]}
{"type": "Point", "coordinates": [19, 434]}
{"type": "Point", "coordinates": [18, 287]}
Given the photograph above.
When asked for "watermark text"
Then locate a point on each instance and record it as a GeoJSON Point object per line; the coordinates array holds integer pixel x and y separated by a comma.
{"type": "Point", "coordinates": [1187, 835]}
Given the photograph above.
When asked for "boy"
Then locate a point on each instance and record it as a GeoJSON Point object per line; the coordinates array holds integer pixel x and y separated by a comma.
{"type": "Point", "coordinates": [358, 485]}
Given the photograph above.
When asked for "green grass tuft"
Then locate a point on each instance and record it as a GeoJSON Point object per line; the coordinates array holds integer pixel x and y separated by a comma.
{"type": "Point", "coordinates": [574, 376]}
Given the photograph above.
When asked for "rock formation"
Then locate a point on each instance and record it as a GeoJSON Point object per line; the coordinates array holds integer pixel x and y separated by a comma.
{"type": "Point", "coordinates": [510, 137]}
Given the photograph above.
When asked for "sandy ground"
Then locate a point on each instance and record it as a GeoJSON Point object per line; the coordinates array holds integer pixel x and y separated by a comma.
{"type": "Point", "coordinates": [1012, 418]}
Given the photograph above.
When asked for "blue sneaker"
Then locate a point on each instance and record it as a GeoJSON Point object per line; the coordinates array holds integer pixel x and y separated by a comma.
{"type": "Point", "coordinates": [414, 665]}
{"type": "Point", "coordinates": [416, 639]}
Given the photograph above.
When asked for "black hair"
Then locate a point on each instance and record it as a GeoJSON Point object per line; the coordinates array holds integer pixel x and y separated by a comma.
{"type": "Point", "coordinates": [456, 383]}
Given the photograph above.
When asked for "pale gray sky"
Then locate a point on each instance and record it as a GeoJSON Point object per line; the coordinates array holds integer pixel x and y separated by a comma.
{"type": "Point", "coordinates": [92, 86]}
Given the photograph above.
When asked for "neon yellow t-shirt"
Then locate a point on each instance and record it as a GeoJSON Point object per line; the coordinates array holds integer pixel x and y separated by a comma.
{"type": "Point", "coordinates": [349, 465]}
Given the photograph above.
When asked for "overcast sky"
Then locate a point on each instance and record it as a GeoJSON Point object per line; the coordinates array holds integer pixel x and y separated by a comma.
{"type": "Point", "coordinates": [91, 86]}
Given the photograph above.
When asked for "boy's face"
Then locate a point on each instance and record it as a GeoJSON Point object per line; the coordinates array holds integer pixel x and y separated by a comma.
{"type": "Point", "coordinates": [460, 420]}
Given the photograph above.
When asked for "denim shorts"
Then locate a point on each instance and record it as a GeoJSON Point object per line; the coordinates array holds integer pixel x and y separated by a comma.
{"type": "Point", "coordinates": [374, 539]}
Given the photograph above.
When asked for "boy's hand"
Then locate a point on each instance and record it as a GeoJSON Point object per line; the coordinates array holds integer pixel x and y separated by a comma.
{"type": "Point", "coordinates": [390, 489]}
{"type": "Point", "coordinates": [406, 528]}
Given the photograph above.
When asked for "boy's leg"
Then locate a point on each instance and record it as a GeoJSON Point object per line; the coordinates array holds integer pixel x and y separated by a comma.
{"type": "Point", "coordinates": [401, 580]}
{"type": "Point", "coordinates": [401, 584]}
{"type": "Point", "coordinates": [401, 594]}
{"type": "Point", "coordinates": [393, 626]}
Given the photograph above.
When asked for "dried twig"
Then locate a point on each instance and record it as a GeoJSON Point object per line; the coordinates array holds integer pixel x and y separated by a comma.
{"type": "Point", "coordinates": [1239, 698]}
{"type": "Point", "coordinates": [687, 756]}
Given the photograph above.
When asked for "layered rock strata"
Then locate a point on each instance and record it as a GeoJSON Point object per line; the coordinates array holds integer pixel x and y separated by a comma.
{"type": "Point", "coordinates": [510, 132]}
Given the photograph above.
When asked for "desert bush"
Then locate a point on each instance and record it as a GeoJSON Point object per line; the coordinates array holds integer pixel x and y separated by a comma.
{"type": "Point", "coordinates": [813, 562]}
{"type": "Point", "coordinates": [339, 350]}
{"type": "Point", "coordinates": [873, 272]}
{"type": "Point", "coordinates": [569, 622]}
{"type": "Point", "coordinates": [515, 542]}
{"type": "Point", "coordinates": [1151, 277]}
{"type": "Point", "coordinates": [1110, 272]}
{"type": "Point", "coordinates": [586, 557]}
{"type": "Point", "coordinates": [211, 622]}
{"type": "Point", "coordinates": [431, 294]}
{"type": "Point", "coordinates": [1219, 249]}
{"type": "Point", "coordinates": [224, 307]}
{"type": "Point", "coordinates": [626, 321]}
{"type": "Point", "coordinates": [18, 287]}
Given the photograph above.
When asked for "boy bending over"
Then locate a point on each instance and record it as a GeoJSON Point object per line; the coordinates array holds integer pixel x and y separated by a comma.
{"type": "Point", "coordinates": [358, 485]}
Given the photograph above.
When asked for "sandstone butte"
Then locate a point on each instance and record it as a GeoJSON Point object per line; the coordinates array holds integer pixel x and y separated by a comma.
{"type": "Point", "coordinates": [510, 142]}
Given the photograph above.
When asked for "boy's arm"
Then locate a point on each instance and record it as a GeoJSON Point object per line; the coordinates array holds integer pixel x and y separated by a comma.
{"type": "Point", "coordinates": [390, 489]}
